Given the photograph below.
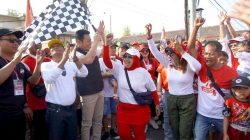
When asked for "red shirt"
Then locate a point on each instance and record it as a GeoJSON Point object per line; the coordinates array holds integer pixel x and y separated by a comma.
{"type": "Point", "coordinates": [237, 110]}
{"type": "Point", "coordinates": [210, 102]}
{"type": "Point", "coordinates": [222, 76]}
{"type": "Point", "coordinates": [34, 102]}
{"type": "Point", "coordinates": [151, 67]}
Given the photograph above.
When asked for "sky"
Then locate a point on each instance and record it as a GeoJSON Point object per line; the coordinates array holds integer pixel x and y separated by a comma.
{"type": "Point", "coordinates": [135, 13]}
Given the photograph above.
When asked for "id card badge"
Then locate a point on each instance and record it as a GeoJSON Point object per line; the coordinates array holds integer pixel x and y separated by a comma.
{"type": "Point", "coordinates": [18, 87]}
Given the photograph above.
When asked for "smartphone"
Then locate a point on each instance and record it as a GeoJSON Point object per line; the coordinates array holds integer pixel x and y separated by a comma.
{"type": "Point", "coordinates": [178, 39]}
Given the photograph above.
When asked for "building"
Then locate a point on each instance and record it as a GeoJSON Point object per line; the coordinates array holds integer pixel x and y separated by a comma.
{"type": "Point", "coordinates": [206, 33]}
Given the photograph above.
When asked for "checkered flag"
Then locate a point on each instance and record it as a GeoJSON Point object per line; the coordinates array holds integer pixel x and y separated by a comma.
{"type": "Point", "coordinates": [57, 18]}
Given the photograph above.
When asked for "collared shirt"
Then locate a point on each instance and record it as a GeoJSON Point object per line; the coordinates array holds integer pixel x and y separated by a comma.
{"type": "Point", "coordinates": [59, 83]}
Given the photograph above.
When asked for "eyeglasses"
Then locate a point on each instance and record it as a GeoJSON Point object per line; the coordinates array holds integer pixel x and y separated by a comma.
{"type": "Point", "coordinates": [233, 44]}
{"type": "Point", "coordinates": [13, 40]}
{"type": "Point", "coordinates": [126, 55]}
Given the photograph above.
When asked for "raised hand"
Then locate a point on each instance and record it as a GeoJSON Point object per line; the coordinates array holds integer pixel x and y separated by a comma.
{"type": "Point", "coordinates": [100, 33]}
{"type": "Point", "coordinates": [109, 38]}
{"type": "Point", "coordinates": [228, 19]}
{"type": "Point", "coordinates": [177, 46]}
{"type": "Point", "coordinates": [241, 11]}
{"type": "Point", "coordinates": [163, 34]}
{"type": "Point", "coordinates": [18, 55]}
{"type": "Point", "coordinates": [148, 30]}
{"type": "Point", "coordinates": [40, 54]}
{"type": "Point", "coordinates": [199, 21]}
{"type": "Point", "coordinates": [66, 54]}
{"type": "Point", "coordinates": [222, 17]}
{"type": "Point", "coordinates": [73, 54]}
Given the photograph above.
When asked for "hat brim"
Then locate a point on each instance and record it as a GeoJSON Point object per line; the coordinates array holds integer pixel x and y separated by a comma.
{"type": "Point", "coordinates": [141, 48]}
{"type": "Point", "coordinates": [54, 41]}
{"type": "Point", "coordinates": [240, 86]}
{"type": "Point", "coordinates": [18, 34]}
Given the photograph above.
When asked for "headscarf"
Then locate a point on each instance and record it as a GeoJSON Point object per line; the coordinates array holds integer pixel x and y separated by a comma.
{"type": "Point", "coordinates": [136, 58]}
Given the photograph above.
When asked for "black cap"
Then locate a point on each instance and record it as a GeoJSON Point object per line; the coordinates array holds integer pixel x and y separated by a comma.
{"type": "Point", "coordinates": [241, 81]}
{"type": "Point", "coordinates": [5, 31]}
{"type": "Point", "coordinates": [113, 45]}
{"type": "Point", "coordinates": [125, 45]}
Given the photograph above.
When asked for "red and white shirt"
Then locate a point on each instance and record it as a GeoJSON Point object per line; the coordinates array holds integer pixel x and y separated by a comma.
{"type": "Point", "coordinates": [210, 102]}
{"type": "Point", "coordinates": [34, 102]}
{"type": "Point", "coordinates": [140, 80]}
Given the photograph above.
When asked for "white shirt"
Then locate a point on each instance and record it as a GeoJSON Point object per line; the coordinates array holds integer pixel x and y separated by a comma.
{"type": "Point", "coordinates": [108, 90]}
{"type": "Point", "coordinates": [61, 89]}
{"type": "Point", "coordinates": [210, 102]}
{"type": "Point", "coordinates": [140, 80]}
{"type": "Point", "coordinates": [226, 49]}
{"type": "Point", "coordinates": [179, 83]}
{"type": "Point", "coordinates": [244, 62]}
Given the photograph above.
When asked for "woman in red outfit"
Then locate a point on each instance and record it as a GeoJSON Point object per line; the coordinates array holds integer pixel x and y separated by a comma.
{"type": "Point", "coordinates": [148, 62]}
{"type": "Point", "coordinates": [131, 117]}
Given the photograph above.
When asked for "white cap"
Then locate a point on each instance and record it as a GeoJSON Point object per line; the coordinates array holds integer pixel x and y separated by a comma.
{"type": "Point", "coordinates": [133, 51]}
{"type": "Point", "coordinates": [238, 39]}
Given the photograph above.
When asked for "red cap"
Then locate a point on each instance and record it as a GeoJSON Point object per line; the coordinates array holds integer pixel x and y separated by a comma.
{"type": "Point", "coordinates": [143, 46]}
{"type": "Point", "coordinates": [136, 44]}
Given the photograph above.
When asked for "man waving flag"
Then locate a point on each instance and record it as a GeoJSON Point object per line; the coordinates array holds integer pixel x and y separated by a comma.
{"type": "Point", "coordinates": [57, 18]}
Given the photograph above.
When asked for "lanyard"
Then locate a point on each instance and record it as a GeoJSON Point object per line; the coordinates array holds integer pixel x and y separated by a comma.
{"type": "Point", "coordinates": [14, 69]}
{"type": "Point", "coordinates": [16, 74]}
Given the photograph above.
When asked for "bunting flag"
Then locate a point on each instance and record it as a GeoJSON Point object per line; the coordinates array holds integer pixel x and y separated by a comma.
{"type": "Point", "coordinates": [29, 14]}
{"type": "Point", "coordinates": [57, 18]}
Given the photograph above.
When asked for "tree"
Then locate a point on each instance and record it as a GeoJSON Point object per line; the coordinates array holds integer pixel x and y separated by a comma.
{"type": "Point", "coordinates": [126, 31]}
{"type": "Point", "coordinates": [14, 13]}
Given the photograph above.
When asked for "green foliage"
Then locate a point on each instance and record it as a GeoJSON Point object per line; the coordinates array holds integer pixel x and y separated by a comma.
{"type": "Point", "coordinates": [126, 31]}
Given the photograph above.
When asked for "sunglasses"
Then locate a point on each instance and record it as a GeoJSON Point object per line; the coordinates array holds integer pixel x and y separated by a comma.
{"type": "Point", "coordinates": [13, 40]}
{"type": "Point", "coordinates": [233, 44]}
{"type": "Point", "coordinates": [126, 55]}
{"type": "Point", "coordinates": [144, 50]}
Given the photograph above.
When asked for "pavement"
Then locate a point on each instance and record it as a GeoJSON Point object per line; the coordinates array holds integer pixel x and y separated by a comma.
{"type": "Point", "coordinates": [153, 134]}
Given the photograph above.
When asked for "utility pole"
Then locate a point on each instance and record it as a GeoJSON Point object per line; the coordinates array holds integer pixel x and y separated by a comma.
{"type": "Point", "coordinates": [199, 14]}
{"type": "Point", "coordinates": [110, 23]}
{"type": "Point", "coordinates": [192, 7]}
{"type": "Point", "coordinates": [186, 18]}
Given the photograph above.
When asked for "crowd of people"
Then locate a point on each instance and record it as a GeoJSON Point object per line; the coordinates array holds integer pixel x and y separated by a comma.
{"type": "Point", "coordinates": [201, 88]}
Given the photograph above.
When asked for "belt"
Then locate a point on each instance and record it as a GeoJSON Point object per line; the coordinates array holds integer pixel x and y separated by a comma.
{"type": "Point", "coordinates": [56, 106]}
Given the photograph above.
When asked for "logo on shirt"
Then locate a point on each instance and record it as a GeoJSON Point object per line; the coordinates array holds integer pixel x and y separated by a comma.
{"type": "Point", "coordinates": [208, 88]}
{"type": "Point", "coordinates": [21, 71]}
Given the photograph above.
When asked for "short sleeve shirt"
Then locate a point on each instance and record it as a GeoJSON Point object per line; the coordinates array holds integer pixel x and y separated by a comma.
{"type": "Point", "coordinates": [237, 117]}
{"type": "Point", "coordinates": [9, 102]}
